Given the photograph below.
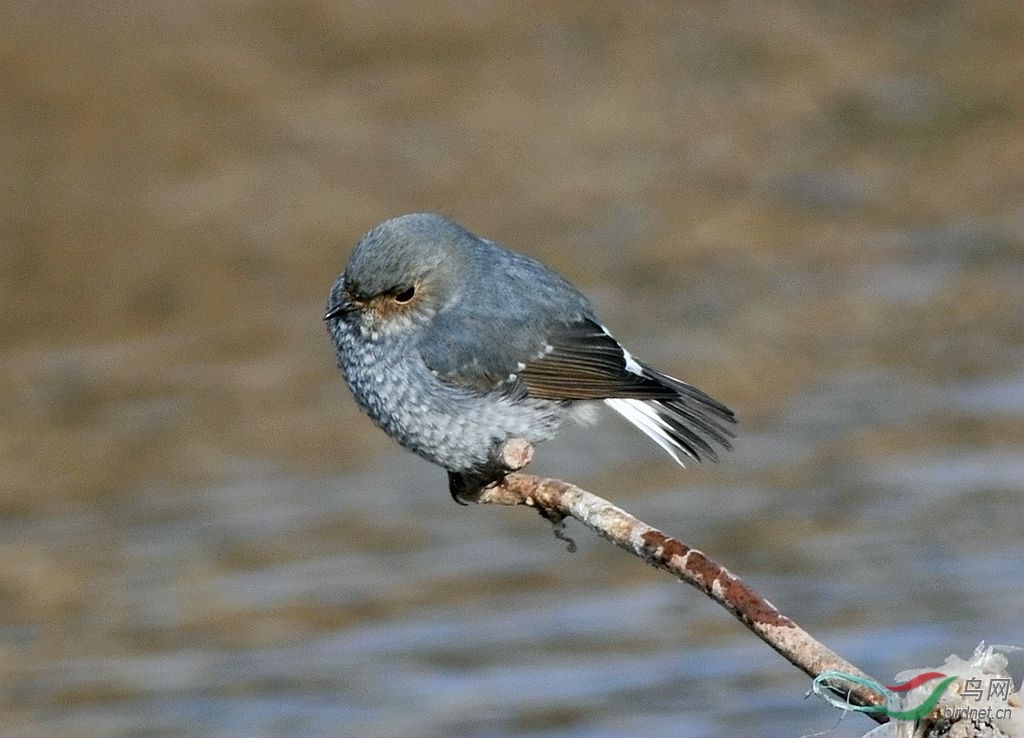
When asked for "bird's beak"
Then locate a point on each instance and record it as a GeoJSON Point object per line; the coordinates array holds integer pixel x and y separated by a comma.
{"type": "Point", "coordinates": [334, 312]}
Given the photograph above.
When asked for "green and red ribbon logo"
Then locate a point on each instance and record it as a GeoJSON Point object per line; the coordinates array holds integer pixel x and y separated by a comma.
{"type": "Point", "coordinates": [925, 707]}
{"type": "Point", "coordinates": [827, 682]}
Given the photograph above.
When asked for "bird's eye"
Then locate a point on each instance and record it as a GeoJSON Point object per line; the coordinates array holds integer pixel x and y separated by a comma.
{"type": "Point", "coordinates": [405, 295]}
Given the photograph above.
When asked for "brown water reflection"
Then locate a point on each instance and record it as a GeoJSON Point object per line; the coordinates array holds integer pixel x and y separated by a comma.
{"type": "Point", "coordinates": [814, 210]}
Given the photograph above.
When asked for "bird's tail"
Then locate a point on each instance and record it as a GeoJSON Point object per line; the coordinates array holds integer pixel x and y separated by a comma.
{"type": "Point", "coordinates": [686, 422]}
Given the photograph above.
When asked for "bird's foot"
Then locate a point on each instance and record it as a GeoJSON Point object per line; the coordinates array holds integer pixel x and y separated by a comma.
{"type": "Point", "coordinates": [509, 456]}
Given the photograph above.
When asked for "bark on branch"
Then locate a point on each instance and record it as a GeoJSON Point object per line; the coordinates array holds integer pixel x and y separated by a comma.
{"type": "Point", "coordinates": [556, 500]}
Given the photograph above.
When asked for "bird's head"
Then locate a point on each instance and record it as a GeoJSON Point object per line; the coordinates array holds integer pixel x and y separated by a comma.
{"type": "Point", "coordinates": [401, 274]}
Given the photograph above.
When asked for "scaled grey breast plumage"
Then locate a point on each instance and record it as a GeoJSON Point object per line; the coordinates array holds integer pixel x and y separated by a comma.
{"type": "Point", "coordinates": [453, 344]}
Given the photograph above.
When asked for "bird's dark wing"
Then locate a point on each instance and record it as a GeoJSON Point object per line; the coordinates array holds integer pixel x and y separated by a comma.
{"type": "Point", "coordinates": [581, 361]}
{"type": "Point", "coordinates": [576, 360]}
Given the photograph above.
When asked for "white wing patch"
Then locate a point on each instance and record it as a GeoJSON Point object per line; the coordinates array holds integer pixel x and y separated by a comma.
{"type": "Point", "coordinates": [646, 418]}
{"type": "Point", "coordinates": [642, 414]}
{"type": "Point", "coordinates": [631, 363]}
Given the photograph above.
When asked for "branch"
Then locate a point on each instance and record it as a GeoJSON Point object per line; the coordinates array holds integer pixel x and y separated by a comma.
{"type": "Point", "coordinates": [556, 500]}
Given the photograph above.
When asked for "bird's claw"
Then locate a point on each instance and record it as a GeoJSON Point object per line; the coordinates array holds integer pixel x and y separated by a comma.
{"type": "Point", "coordinates": [510, 455]}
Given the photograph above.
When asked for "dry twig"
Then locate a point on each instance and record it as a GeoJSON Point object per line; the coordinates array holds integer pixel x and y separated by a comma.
{"type": "Point", "coordinates": [556, 500]}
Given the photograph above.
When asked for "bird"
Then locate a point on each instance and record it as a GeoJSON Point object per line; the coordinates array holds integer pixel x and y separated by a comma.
{"type": "Point", "coordinates": [453, 344]}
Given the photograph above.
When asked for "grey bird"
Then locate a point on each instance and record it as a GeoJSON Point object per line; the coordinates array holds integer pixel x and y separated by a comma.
{"type": "Point", "coordinates": [452, 344]}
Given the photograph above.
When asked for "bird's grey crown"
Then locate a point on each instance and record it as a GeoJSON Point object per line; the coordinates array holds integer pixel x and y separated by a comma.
{"type": "Point", "coordinates": [401, 251]}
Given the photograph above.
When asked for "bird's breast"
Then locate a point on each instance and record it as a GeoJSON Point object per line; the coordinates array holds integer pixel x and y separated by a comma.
{"type": "Point", "coordinates": [455, 427]}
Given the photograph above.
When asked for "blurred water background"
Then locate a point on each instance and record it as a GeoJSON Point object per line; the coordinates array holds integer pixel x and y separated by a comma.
{"type": "Point", "coordinates": [814, 210]}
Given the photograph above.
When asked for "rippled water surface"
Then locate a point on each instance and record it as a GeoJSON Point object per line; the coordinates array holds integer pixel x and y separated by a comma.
{"type": "Point", "coordinates": [813, 211]}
